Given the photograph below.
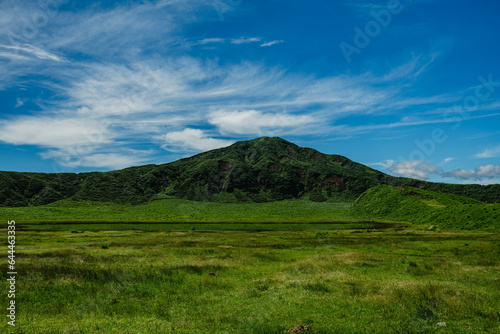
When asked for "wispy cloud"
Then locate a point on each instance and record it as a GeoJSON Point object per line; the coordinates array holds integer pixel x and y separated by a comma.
{"type": "Point", "coordinates": [30, 50]}
{"type": "Point", "coordinates": [385, 163]}
{"type": "Point", "coordinates": [13, 56]}
{"type": "Point", "coordinates": [246, 40]}
{"type": "Point", "coordinates": [236, 41]}
{"type": "Point", "coordinates": [142, 98]}
{"type": "Point", "coordinates": [191, 140]}
{"type": "Point", "coordinates": [492, 152]}
{"type": "Point", "coordinates": [489, 171]}
{"type": "Point", "coordinates": [254, 122]}
{"type": "Point", "coordinates": [462, 174]}
{"type": "Point", "coordinates": [110, 160]}
{"type": "Point", "coordinates": [54, 131]}
{"type": "Point", "coordinates": [19, 103]}
{"type": "Point", "coordinates": [211, 40]}
{"type": "Point", "coordinates": [271, 43]}
{"type": "Point", "coordinates": [121, 76]}
{"type": "Point", "coordinates": [423, 170]}
{"type": "Point", "coordinates": [411, 69]}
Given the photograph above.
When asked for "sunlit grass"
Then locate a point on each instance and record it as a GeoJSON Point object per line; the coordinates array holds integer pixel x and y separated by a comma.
{"type": "Point", "coordinates": [180, 211]}
{"type": "Point", "coordinates": [336, 281]}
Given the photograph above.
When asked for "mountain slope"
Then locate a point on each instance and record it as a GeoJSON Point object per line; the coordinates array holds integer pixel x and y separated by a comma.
{"type": "Point", "coordinates": [259, 170]}
{"type": "Point", "coordinates": [271, 169]}
{"type": "Point", "coordinates": [427, 207]}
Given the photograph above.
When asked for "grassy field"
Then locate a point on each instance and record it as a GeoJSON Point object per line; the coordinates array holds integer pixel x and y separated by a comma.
{"type": "Point", "coordinates": [91, 267]}
{"type": "Point", "coordinates": [335, 281]}
{"type": "Point", "coordinates": [179, 211]}
{"type": "Point", "coordinates": [449, 212]}
{"type": "Point", "coordinates": [257, 227]}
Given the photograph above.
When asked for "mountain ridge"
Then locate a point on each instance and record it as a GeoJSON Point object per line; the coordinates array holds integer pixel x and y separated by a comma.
{"type": "Point", "coordinates": [259, 170]}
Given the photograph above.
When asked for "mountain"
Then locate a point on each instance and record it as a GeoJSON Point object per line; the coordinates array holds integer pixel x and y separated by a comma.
{"type": "Point", "coordinates": [426, 207]}
{"type": "Point", "coordinates": [259, 170]}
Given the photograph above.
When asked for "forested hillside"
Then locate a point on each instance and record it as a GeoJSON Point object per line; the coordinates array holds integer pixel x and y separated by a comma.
{"type": "Point", "coordinates": [258, 170]}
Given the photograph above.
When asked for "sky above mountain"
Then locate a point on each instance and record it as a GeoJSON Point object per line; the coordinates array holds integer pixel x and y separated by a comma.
{"type": "Point", "coordinates": [410, 87]}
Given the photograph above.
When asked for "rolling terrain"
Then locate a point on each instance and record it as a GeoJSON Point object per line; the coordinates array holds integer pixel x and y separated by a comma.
{"type": "Point", "coordinates": [259, 170]}
{"type": "Point", "coordinates": [446, 211]}
{"type": "Point", "coordinates": [260, 237]}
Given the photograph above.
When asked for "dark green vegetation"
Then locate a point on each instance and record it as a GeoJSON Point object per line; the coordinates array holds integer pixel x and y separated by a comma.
{"type": "Point", "coordinates": [337, 282]}
{"type": "Point", "coordinates": [427, 207]}
{"type": "Point", "coordinates": [259, 170]}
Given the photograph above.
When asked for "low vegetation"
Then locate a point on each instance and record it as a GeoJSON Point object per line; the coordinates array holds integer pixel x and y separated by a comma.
{"type": "Point", "coordinates": [260, 282]}
{"type": "Point", "coordinates": [180, 211]}
{"type": "Point", "coordinates": [427, 209]}
{"type": "Point", "coordinates": [437, 210]}
{"type": "Point", "coordinates": [236, 263]}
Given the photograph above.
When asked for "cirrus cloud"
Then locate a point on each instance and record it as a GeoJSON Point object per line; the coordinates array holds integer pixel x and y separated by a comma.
{"type": "Point", "coordinates": [255, 122]}
{"type": "Point", "coordinates": [489, 153]}
{"type": "Point", "coordinates": [191, 140]}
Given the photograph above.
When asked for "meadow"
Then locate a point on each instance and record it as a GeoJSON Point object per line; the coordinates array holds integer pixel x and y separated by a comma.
{"type": "Point", "coordinates": [257, 227]}
{"type": "Point", "coordinates": [173, 210]}
{"type": "Point", "coordinates": [346, 281]}
{"type": "Point", "coordinates": [179, 266]}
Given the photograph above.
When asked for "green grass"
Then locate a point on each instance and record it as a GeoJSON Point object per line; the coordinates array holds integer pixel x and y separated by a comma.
{"type": "Point", "coordinates": [178, 210]}
{"type": "Point", "coordinates": [335, 281]}
{"type": "Point", "coordinates": [382, 203]}
{"type": "Point", "coordinates": [419, 206]}
{"type": "Point", "coordinates": [91, 267]}
{"type": "Point", "coordinates": [81, 227]}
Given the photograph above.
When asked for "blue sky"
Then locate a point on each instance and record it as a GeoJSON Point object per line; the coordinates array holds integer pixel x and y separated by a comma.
{"type": "Point", "coordinates": [411, 88]}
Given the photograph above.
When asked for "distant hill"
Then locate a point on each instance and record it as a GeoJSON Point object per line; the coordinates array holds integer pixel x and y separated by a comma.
{"type": "Point", "coordinates": [258, 170]}
{"type": "Point", "coordinates": [429, 207]}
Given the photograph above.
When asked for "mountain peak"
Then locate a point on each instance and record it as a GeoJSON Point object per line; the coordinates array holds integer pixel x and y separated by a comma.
{"type": "Point", "coordinates": [266, 141]}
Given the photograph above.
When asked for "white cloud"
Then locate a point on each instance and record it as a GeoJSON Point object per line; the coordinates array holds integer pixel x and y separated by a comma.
{"type": "Point", "coordinates": [54, 132]}
{"type": "Point", "coordinates": [271, 43]}
{"type": "Point", "coordinates": [488, 171]}
{"type": "Point", "coordinates": [237, 41]}
{"type": "Point", "coordinates": [489, 153]}
{"type": "Point", "coordinates": [12, 56]}
{"type": "Point", "coordinates": [481, 182]}
{"type": "Point", "coordinates": [191, 139]}
{"type": "Point", "coordinates": [246, 40]}
{"type": "Point", "coordinates": [448, 160]}
{"type": "Point", "coordinates": [34, 51]}
{"type": "Point", "coordinates": [254, 122]}
{"type": "Point", "coordinates": [385, 163]}
{"type": "Point", "coordinates": [19, 103]}
{"type": "Point", "coordinates": [414, 169]}
{"type": "Point", "coordinates": [461, 174]}
{"type": "Point", "coordinates": [110, 160]}
{"type": "Point", "coordinates": [211, 40]}
{"type": "Point", "coordinates": [130, 75]}
{"type": "Point", "coordinates": [98, 160]}
{"type": "Point", "coordinates": [142, 98]}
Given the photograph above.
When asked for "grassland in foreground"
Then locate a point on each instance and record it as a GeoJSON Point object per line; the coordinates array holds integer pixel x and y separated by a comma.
{"type": "Point", "coordinates": [337, 282]}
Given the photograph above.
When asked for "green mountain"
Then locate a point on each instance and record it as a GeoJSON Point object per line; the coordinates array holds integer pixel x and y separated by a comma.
{"type": "Point", "coordinates": [426, 207]}
{"type": "Point", "coordinates": [259, 170]}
